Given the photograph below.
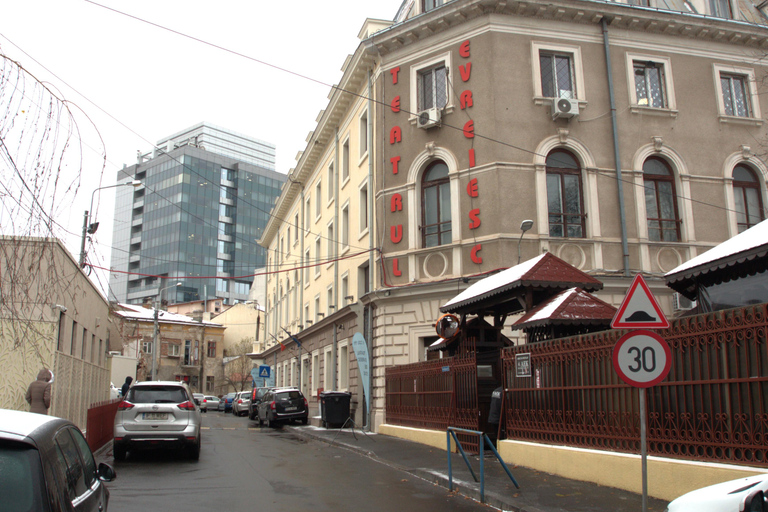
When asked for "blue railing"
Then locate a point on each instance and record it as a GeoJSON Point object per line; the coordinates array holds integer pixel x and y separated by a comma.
{"type": "Point", "coordinates": [451, 432]}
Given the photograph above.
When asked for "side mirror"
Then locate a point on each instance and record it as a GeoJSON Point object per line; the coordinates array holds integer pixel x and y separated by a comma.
{"type": "Point", "coordinates": [106, 473]}
{"type": "Point", "coordinates": [755, 502]}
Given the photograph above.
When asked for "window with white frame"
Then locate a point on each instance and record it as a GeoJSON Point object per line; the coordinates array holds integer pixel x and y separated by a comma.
{"type": "Point", "coordinates": [296, 228]}
{"type": "Point", "coordinates": [318, 199]}
{"type": "Point", "coordinates": [318, 313]}
{"type": "Point", "coordinates": [331, 182]}
{"type": "Point", "coordinates": [329, 301]}
{"type": "Point", "coordinates": [316, 369]}
{"type": "Point", "coordinates": [650, 79]}
{"type": "Point", "coordinates": [363, 208]}
{"type": "Point", "coordinates": [557, 71]}
{"type": "Point", "coordinates": [344, 230]}
{"type": "Point", "coordinates": [307, 215]}
{"type": "Point", "coordinates": [345, 161]}
{"type": "Point", "coordinates": [747, 198]}
{"type": "Point", "coordinates": [306, 312]}
{"type": "Point", "coordinates": [343, 366]}
{"type": "Point", "coordinates": [328, 366]}
{"type": "Point", "coordinates": [331, 241]}
{"type": "Point", "coordinates": [146, 347]}
{"type": "Point", "coordinates": [288, 239]}
{"type": "Point", "coordinates": [363, 134]}
{"type": "Point", "coordinates": [736, 93]}
{"type": "Point", "coordinates": [428, 5]}
{"type": "Point", "coordinates": [318, 248]}
{"type": "Point", "coordinates": [345, 289]}
{"type": "Point", "coordinates": [432, 84]}
{"type": "Point", "coordinates": [720, 8]}
{"type": "Point", "coordinates": [306, 267]}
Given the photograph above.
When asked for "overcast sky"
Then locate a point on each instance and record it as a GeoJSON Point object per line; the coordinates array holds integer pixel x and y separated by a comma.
{"type": "Point", "coordinates": [157, 83]}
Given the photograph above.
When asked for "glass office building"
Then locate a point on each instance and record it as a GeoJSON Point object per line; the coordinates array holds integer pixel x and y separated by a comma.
{"type": "Point", "coordinates": [195, 220]}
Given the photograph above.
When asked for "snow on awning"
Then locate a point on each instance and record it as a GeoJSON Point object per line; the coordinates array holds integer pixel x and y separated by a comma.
{"type": "Point", "coordinates": [546, 270]}
{"type": "Point", "coordinates": [573, 306]}
{"type": "Point", "coordinates": [747, 245]}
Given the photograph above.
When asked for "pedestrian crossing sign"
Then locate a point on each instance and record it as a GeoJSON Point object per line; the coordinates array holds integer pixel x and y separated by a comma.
{"type": "Point", "coordinates": [264, 371]}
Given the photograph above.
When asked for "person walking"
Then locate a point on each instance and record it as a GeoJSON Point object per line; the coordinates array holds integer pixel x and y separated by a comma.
{"type": "Point", "coordinates": [126, 385]}
{"type": "Point", "coordinates": [39, 392]}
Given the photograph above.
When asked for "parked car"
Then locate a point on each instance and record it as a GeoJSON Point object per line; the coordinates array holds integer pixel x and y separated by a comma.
{"type": "Point", "coordinates": [743, 494]}
{"type": "Point", "coordinates": [212, 402]}
{"type": "Point", "coordinates": [240, 403]}
{"type": "Point", "coordinates": [228, 398]}
{"type": "Point", "coordinates": [157, 414]}
{"type": "Point", "coordinates": [200, 401]}
{"type": "Point", "coordinates": [256, 395]}
{"type": "Point", "coordinates": [46, 464]}
{"type": "Point", "coordinates": [283, 405]}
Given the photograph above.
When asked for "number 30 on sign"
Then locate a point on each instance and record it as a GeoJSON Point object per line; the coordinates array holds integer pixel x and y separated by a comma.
{"type": "Point", "coordinates": [642, 358]}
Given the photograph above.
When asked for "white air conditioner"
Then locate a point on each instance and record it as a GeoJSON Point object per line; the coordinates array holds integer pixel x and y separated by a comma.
{"type": "Point", "coordinates": [680, 302]}
{"type": "Point", "coordinates": [429, 118]}
{"type": "Point", "coordinates": [564, 107]}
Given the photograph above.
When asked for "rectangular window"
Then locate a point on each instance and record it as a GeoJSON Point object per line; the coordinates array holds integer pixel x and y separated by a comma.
{"type": "Point", "coordinates": [288, 239]}
{"type": "Point", "coordinates": [363, 208]}
{"type": "Point", "coordinates": [556, 75]}
{"type": "Point", "coordinates": [211, 349]}
{"type": "Point", "coordinates": [363, 134]}
{"type": "Point", "coordinates": [296, 228]}
{"type": "Point", "coordinates": [73, 338]}
{"type": "Point", "coordinates": [328, 377]}
{"type": "Point", "coordinates": [318, 313]}
{"type": "Point", "coordinates": [146, 347]}
{"type": "Point", "coordinates": [735, 95]}
{"type": "Point", "coordinates": [306, 267]}
{"type": "Point", "coordinates": [345, 290]}
{"type": "Point", "coordinates": [344, 367]}
{"type": "Point", "coordinates": [84, 344]}
{"type": "Point", "coordinates": [60, 341]}
{"type": "Point", "coordinates": [428, 5]}
{"type": "Point", "coordinates": [331, 305]}
{"type": "Point", "coordinates": [174, 350]}
{"type": "Point", "coordinates": [318, 199]}
{"type": "Point", "coordinates": [649, 84]}
{"type": "Point", "coordinates": [344, 235]}
{"type": "Point", "coordinates": [187, 353]}
{"type": "Point", "coordinates": [318, 256]}
{"type": "Point", "coordinates": [432, 87]}
{"type": "Point", "coordinates": [331, 182]}
{"type": "Point", "coordinates": [331, 240]}
{"type": "Point", "coordinates": [307, 215]}
{"type": "Point", "coordinates": [345, 161]}
{"type": "Point", "coordinates": [720, 8]}
{"type": "Point", "coordinates": [209, 384]}
{"type": "Point", "coordinates": [316, 369]}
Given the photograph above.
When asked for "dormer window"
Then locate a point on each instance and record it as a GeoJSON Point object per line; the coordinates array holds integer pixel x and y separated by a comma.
{"type": "Point", "coordinates": [428, 5]}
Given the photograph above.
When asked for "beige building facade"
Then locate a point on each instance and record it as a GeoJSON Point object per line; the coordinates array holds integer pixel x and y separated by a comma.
{"type": "Point", "coordinates": [51, 316]}
{"type": "Point", "coordinates": [632, 138]}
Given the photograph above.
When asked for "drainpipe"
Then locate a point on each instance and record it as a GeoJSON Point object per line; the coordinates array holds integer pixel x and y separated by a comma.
{"type": "Point", "coordinates": [371, 267]}
{"type": "Point", "coordinates": [337, 179]}
{"type": "Point", "coordinates": [616, 155]}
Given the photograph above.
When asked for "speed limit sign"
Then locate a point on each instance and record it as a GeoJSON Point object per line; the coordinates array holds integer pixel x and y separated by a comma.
{"type": "Point", "coordinates": [642, 358]}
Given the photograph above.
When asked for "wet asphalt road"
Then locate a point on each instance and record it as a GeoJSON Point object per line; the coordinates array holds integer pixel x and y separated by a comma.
{"type": "Point", "coordinates": [243, 467]}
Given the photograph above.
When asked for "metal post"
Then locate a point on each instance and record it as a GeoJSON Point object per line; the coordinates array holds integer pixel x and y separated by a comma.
{"type": "Point", "coordinates": [154, 344]}
{"type": "Point", "coordinates": [643, 449]}
{"type": "Point", "coordinates": [82, 240]}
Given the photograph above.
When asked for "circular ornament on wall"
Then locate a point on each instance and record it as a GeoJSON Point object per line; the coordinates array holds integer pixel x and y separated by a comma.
{"type": "Point", "coordinates": [668, 258]}
{"type": "Point", "coordinates": [573, 255]}
{"type": "Point", "coordinates": [435, 265]}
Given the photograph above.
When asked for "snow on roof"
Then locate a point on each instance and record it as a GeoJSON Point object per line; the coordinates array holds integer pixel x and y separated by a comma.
{"type": "Point", "coordinates": [550, 308]}
{"type": "Point", "coordinates": [490, 283]}
{"type": "Point", "coordinates": [748, 240]}
{"type": "Point", "coordinates": [134, 312]}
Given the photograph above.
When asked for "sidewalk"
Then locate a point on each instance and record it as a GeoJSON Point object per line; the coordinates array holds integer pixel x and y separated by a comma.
{"type": "Point", "coordinates": [539, 492]}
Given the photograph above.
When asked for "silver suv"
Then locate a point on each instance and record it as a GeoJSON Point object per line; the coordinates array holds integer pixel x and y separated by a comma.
{"type": "Point", "coordinates": [240, 403]}
{"type": "Point", "coordinates": [157, 414]}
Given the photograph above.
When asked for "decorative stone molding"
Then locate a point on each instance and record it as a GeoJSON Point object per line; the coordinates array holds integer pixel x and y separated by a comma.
{"type": "Point", "coordinates": [746, 151]}
{"type": "Point", "coordinates": [658, 144]}
{"type": "Point", "coordinates": [430, 148]}
{"type": "Point", "coordinates": [563, 133]}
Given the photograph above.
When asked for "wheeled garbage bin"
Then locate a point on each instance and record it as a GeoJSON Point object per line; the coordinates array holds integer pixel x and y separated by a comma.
{"type": "Point", "coordinates": [334, 408]}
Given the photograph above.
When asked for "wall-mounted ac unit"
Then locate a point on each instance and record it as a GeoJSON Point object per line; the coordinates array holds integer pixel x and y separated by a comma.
{"type": "Point", "coordinates": [564, 107]}
{"type": "Point", "coordinates": [429, 118]}
{"type": "Point", "coordinates": [680, 302]}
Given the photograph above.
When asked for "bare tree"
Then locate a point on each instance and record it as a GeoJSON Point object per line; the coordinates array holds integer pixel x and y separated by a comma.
{"type": "Point", "coordinates": [238, 366]}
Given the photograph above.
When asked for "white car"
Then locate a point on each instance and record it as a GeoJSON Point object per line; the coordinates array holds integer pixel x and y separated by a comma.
{"type": "Point", "coordinates": [741, 495]}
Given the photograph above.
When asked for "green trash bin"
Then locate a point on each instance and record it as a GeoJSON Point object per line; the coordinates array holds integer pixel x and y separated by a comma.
{"type": "Point", "coordinates": [334, 408]}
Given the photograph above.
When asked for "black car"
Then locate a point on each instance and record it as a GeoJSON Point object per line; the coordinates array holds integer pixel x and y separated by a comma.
{"type": "Point", "coordinates": [45, 464]}
{"type": "Point", "coordinates": [256, 395]}
{"type": "Point", "coordinates": [283, 405]}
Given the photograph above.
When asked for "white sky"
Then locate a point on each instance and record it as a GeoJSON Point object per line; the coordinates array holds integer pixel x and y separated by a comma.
{"type": "Point", "coordinates": [157, 83]}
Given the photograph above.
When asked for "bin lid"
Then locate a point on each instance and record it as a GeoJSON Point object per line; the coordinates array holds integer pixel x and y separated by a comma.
{"type": "Point", "coordinates": [334, 393]}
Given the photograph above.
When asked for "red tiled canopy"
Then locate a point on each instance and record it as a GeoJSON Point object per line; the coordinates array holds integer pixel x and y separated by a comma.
{"type": "Point", "coordinates": [573, 307]}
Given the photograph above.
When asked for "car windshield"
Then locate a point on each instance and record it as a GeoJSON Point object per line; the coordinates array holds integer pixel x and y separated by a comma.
{"type": "Point", "coordinates": [287, 395]}
{"type": "Point", "coordinates": [20, 477]}
{"type": "Point", "coordinates": [156, 395]}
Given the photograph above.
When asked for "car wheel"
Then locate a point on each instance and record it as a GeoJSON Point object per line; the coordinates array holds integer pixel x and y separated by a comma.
{"type": "Point", "coordinates": [119, 451]}
{"type": "Point", "coordinates": [304, 421]}
{"type": "Point", "coordinates": [261, 422]}
{"type": "Point", "coordinates": [194, 450]}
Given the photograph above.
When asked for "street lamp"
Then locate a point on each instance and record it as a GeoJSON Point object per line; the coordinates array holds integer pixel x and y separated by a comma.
{"type": "Point", "coordinates": [91, 228]}
{"type": "Point", "coordinates": [157, 330]}
{"type": "Point", "coordinates": [524, 226]}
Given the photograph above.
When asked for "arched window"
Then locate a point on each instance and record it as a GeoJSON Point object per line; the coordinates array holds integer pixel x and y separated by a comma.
{"type": "Point", "coordinates": [564, 200]}
{"type": "Point", "coordinates": [435, 205]}
{"type": "Point", "coordinates": [660, 201]}
{"type": "Point", "coordinates": [746, 195]}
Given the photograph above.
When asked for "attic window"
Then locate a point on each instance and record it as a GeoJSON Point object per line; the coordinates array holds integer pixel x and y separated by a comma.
{"type": "Point", "coordinates": [428, 5]}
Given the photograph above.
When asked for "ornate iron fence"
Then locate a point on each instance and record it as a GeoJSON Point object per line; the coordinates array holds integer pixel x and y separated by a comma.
{"type": "Point", "coordinates": [712, 406]}
{"type": "Point", "coordinates": [434, 395]}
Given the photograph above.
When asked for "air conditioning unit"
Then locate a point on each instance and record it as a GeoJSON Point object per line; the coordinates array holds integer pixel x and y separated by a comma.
{"type": "Point", "coordinates": [680, 302]}
{"type": "Point", "coordinates": [564, 107]}
{"type": "Point", "coordinates": [429, 118]}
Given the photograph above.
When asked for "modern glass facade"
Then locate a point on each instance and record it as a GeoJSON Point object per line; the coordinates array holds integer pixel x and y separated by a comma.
{"type": "Point", "coordinates": [195, 220]}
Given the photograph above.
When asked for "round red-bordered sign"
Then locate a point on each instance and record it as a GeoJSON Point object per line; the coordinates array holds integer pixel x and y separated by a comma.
{"type": "Point", "coordinates": [642, 358]}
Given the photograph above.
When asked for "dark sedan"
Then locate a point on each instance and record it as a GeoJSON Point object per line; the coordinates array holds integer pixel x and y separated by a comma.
{"type": "Point", "coordinates": [283, 405]}
{"type": "Point", "coordinates": [45, 464]}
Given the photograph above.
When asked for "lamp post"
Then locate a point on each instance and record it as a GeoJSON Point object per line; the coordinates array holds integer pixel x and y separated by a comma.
{"type": "Point", "coordinates": [524, 226]}
{"type": "Point", "coordinates": [91, 228]}
{"type": "Point", "coordinates": [157, 330]}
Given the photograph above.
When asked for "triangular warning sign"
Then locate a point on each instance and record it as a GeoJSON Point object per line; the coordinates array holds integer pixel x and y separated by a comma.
{"type": "Point", "coordinates": [639, 309]}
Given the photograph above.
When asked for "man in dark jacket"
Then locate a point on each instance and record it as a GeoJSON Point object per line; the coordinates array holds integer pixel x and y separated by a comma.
{"type": "Point", "coordinates": [39, 392]}
{"type": "Point", "coordinates": [126, 385]}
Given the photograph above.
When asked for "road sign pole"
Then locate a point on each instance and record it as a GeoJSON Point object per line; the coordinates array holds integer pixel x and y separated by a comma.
{"type": "Point", "coordinates": [643, 448]}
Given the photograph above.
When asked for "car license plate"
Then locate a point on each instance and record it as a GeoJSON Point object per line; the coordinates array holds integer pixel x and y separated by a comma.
{"type": "Point", "coordinates": [289, 409]}
{"type": "Point", "coordinates": [155, 416]}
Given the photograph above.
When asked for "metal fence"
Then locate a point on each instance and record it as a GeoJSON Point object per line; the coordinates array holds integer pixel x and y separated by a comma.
{"type": "Point", "coordinates": [101, 418]}
{"type": "Point", "coordinates": [712, 406]}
